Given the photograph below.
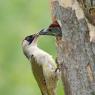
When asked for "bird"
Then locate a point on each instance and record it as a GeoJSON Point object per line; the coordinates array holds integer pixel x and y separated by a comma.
{"type": "Point", "coordinates": [54, 29]}
{"type": "Point", "coordinates": [42, 63]}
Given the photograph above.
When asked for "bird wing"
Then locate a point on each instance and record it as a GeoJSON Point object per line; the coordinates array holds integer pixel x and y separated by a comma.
{"type": "Point", "coordinates": [50, 78]}
{"type": "Point", "coordinates": [39, 76]}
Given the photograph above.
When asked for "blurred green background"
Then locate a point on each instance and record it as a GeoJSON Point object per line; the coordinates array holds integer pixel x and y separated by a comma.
{"type": "Point", "coordinates": [19, 18]}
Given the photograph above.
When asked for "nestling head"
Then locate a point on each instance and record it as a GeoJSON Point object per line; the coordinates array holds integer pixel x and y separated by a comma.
{"type": "Point", "coordinates": [53, 30]}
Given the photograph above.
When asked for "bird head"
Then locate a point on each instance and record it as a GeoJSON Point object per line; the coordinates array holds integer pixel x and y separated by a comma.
{"type": "Point", "coordinates": [28, 42]}
{"type": "Point", "coordinates": [53, 30]}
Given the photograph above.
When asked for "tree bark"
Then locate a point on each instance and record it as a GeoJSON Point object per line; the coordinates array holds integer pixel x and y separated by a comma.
{"type": "Point", "coordinates": [75, 51]}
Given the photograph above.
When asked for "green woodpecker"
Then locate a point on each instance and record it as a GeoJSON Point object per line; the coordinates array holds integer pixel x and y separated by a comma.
{"type": "Point", "coordinates": [53, 30]}
{"type": "Point", "coordinates": [43, 65]}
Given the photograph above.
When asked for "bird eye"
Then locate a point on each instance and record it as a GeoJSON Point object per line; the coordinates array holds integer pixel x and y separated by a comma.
{"type": "Point", "coordinates": [29, 38]}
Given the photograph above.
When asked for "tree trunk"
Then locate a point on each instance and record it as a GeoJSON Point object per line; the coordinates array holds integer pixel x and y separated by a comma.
{"type": "Point", "coordinates": [75, 51]}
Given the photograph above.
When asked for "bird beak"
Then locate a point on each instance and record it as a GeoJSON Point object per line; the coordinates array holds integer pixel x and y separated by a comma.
{"type": "Point", "coordinates": [35, 38]}
{"type": "Point", "coordinates": [36, 35]}
{"type": "Point", "coordinates": [51, 32]}
{"type": "Point", "coordinates": [46, 32]}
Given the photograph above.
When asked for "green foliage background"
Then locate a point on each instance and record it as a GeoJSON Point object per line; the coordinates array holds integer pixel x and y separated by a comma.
{"type": "Point", "coordinates": [19, 18]}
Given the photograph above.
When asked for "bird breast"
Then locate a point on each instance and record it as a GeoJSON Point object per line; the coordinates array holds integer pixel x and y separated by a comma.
{"type": "Point", "coordinates": [43, 57]}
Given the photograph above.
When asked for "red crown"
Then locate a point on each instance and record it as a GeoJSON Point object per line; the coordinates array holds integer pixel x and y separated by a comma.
{"type": "Point", "coordinates": [54, 24]}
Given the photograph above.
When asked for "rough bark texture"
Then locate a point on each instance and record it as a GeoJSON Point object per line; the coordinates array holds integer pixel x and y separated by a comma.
{"type": "Point", "coordinates": [75, 52]}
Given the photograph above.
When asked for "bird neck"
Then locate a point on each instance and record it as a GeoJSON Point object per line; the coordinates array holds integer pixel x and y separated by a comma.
{"type": "Point", "coordinates": [29, 49]}
{"type": "Point", "coordinates": [34, 42]}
